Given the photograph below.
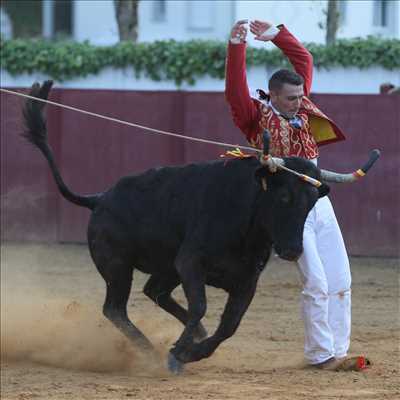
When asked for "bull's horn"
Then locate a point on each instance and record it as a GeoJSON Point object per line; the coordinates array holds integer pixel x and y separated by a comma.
{"type": "Point", "coordinates": [329, 176]}
{"type": "Point", "coordinates": [266, 141]}
{"type": "Point", "coordinates": [271, 162]}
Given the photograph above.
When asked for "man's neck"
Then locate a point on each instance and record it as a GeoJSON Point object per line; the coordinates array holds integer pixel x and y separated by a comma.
{"type": "Point", "coordinates": [274, 109]}
{"type": "Point", "coordinates": [277, 112]}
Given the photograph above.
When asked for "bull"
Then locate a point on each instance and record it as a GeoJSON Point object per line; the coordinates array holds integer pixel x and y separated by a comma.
{"type": "Point", "coordinates": [211, 223]}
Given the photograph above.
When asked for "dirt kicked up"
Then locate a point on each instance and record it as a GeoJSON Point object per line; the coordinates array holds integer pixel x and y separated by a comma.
{"type": "Point", "coordinates": [55, 343]}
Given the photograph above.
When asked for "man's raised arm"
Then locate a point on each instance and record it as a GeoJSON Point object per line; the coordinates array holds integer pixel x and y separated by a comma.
{"type": "Point", "coordinates": [298, 55]}
{"type": "Point", "coordinates": [244, 110]}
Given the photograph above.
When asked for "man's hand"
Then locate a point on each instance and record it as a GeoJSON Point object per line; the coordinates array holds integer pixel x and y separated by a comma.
{"type": "Point", "coordinates": [239, 31]}
{"type": "Point", "coordinates": [260, 28]}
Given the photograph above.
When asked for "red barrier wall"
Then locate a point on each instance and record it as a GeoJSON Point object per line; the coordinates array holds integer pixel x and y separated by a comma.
{"type": "Point", "coordinates": [92, 153]}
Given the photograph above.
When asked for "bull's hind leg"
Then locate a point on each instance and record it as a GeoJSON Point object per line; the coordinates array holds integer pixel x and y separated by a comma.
{"type": "Point", "coordinates": [111, 256]}
{"type": "Point", "coordinates": [159, 290]}
{"type": "Point", "coordinates": [119, 284]}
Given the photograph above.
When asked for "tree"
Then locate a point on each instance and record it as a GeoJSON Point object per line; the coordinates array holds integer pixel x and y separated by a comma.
{"type": "Point", "coordinates": [332, 21]}
{"type": "Point", "coordinates": [126, 12]}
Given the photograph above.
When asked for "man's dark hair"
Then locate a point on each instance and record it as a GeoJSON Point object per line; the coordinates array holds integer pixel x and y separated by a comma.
{"type": "Point", "coordinates": [279, 78]}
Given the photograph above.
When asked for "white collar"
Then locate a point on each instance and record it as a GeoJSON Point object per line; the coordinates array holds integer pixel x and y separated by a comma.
{"type": "Point", "coordinates": [269, 104]}
{"type": "Point", "coordinates": [279, 114]}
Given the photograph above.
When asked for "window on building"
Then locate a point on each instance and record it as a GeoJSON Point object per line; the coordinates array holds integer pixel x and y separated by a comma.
{"type": "Point", "coordinates": [159, 10]}
{"type": "Point", "coordinates": [25, 17]}
{"type": "Point", "coordinates": [57, 18]}
{"type": "Point", "coordinates": [35, 18]}
{"type": "Point", "coordinates": [381, 9]}
{"type": "Point", "coordinates": [62, 18]}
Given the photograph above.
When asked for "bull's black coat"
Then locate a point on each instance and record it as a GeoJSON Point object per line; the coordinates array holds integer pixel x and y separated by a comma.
{"type": "Point", "coordinates": [207, 223]}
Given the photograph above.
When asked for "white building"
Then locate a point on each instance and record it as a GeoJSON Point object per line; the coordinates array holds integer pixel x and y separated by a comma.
{"type": "Point", "coordinates": [94, 20]}
{"type": "Point", "coordinates": [212, 19]}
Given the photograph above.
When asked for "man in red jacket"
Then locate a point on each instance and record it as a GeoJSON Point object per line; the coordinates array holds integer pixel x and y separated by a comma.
{"type": "Point", "coordinates": [297, 127]}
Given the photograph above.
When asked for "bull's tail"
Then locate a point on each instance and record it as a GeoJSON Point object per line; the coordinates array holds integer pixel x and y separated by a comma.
{"type": "Point", "coordinates": [36, 133]}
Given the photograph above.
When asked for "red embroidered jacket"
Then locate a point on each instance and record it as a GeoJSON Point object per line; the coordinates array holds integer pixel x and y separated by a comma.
{"type": "Point", "coordinates": [252, 116]}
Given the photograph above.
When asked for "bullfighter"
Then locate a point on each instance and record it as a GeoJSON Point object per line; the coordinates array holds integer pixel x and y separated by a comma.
{"type": "Point", "coordinates": [297, 128]}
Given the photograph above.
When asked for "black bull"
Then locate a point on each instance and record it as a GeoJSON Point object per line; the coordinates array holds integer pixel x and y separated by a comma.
{"type": "Point", "coordinates": [209, 223]}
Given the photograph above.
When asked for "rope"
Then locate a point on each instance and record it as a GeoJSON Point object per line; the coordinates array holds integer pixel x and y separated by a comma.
{"type": "Point", "coordinates": [157, 131]}
{"type": "Point", "coordinates": [160, 132]}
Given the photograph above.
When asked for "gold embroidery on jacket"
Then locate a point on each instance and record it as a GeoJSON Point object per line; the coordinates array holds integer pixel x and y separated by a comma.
{"type": "Point", "coordinates": [286, 140]}
{"type": "Point", "coordinates": [285, 134]}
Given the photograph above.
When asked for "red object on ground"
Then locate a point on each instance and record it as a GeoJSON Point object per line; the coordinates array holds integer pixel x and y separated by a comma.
{"type": "Point", "coordinates": [361, 363]}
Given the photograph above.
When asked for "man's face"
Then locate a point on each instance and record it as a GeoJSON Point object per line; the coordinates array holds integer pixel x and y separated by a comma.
{"type": "Point", "coordinates": [287, 100]}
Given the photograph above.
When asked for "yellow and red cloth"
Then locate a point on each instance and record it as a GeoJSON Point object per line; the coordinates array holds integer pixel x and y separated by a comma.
{"type": "Point", "coordinates": [237, 153]}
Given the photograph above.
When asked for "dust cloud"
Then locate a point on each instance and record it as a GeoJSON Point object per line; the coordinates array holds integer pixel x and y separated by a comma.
{"type": "Point", "coordinates": [48, 327]}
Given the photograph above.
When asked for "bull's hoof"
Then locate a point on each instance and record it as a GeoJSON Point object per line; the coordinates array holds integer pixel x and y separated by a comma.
{"type": "Point", "coordinates": [200, 334]}
{"type": "Point", "coordinates": [174, 365]}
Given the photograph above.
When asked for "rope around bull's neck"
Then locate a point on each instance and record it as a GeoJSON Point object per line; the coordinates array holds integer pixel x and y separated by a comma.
{"type": "Point", "coordinates": [153, 130]}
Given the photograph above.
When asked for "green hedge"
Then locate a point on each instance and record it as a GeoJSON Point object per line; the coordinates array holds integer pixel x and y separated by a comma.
{"type": "Point", "coordinates": [179, 61]}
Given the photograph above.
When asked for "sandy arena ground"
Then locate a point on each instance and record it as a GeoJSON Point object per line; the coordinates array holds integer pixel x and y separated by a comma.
{"type": "Point", "coordinates": [55, 344]}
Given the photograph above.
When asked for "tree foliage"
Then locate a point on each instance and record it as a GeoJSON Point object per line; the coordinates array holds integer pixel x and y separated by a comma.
{"type": "Point", "coordinates": [179, 61]}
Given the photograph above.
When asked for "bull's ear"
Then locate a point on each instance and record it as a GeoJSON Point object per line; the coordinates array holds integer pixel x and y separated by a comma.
{"type": "Point", "coordinates": [261, 175]}
{"type": "Point", "coordinates": [261, 172]}
{"type": "Point", "coordinates": [265, 178]}
{"type": "Point", "coordinates": [323, 190]}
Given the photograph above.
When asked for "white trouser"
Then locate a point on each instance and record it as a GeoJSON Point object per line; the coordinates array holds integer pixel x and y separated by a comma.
{"type": "Point", "coordinates": [326, 297]}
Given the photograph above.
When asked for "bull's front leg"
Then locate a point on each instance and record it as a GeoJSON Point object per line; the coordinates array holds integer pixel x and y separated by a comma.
{"type": "Point", "coordinates": [236, 306]}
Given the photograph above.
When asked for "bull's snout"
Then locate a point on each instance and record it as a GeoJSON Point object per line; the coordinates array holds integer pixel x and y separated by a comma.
{"type": "Point", "coordinates": [289, 254]}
